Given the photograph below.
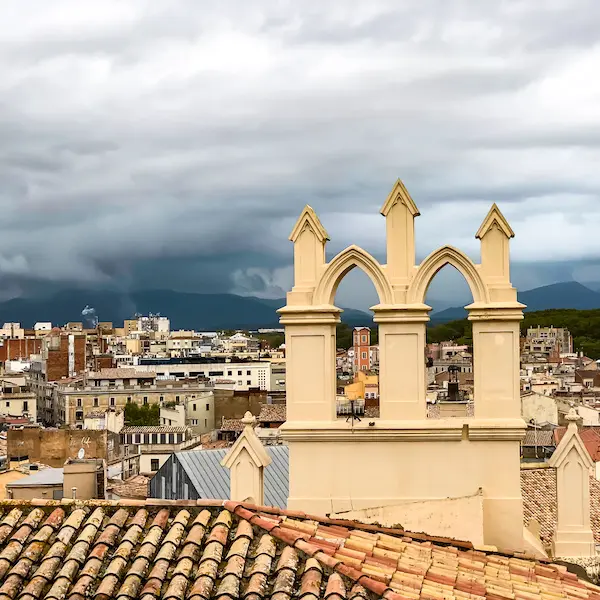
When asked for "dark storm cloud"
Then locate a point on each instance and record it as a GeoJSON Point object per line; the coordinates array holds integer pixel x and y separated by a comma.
{"type": "Point", "coordinates": [174, 143]}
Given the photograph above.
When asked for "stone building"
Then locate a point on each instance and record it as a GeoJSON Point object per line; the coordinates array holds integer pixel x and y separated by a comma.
{"type": "Point", "coordinates": [73, 399]}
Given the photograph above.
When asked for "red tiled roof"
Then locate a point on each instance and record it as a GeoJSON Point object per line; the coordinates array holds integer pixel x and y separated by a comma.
{"type": "Point", "coordinates": [590, 436]}
{"type": "Point", "coordinates": [272, 413]}
{"type": "Point", "coordinates": [200, 550]}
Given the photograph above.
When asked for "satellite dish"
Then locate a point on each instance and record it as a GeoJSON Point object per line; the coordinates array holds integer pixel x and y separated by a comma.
{"type": "Point", "coordinates": [81, 454]}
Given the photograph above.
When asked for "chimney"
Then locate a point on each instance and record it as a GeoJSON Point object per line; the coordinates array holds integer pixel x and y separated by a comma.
{"type": "Point", "coordinates": [85, 479]}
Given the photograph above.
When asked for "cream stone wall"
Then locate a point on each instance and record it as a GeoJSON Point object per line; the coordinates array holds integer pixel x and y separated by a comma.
{"type": "Point", "coordinates": [337, 466]}
{"type": "Point", "coordinates": [458, 518]}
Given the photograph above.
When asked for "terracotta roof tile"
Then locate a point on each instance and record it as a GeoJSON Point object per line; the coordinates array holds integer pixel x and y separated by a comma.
{"type": "Point", "coordinates": [203, 551]}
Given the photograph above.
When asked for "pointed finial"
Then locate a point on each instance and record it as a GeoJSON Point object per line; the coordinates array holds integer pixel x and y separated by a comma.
{"type": "Point", "coordinates": [309, 218]}
{"type": "Point", "coordinates": [400, 194]}
{"type": "Point", "coordinates": [495, 217]}
{"type": "Point", "coordinates": [572, 415]}
{"type": "Point", "coordinates": [249, 420]}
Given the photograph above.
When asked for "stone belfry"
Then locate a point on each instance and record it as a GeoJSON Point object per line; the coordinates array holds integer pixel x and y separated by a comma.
{"type": "Point", "coordinates": [402, 456]}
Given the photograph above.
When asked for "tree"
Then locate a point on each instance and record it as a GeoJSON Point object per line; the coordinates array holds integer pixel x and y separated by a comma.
{"type": "Point", "coordinates": [147, 414]}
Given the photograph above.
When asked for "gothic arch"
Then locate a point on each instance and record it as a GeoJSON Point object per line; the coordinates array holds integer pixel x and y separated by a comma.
{"type": "Point", "coordinates": [345, 261]}
{"type": "Point", "coordinates": [447, 255]}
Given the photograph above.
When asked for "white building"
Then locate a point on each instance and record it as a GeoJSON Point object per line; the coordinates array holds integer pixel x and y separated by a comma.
{"type": "Point", "coordinates": [156, 444]}
{"type": "Point", "coordinates": [13, 331]}
{"type": "Point", "coordinates": [112, 420]}
{"type": "Point", "coordinates": [243, 375]}
{"type": "Point", "coordinates": [16, 397]}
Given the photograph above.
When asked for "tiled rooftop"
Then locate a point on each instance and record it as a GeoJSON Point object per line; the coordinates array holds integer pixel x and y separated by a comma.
{"type": "Point", "coordinates": [200, 550]}
{"type": "Point", "coordinates": [272, 413]}
{"type": "Point", "coordinates": [153, 429]}
{"type": "Point", "coordinates": [539, 501]}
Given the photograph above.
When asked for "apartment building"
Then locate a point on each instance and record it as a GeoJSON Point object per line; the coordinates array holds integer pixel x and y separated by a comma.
{"type": "Point", "coordinates": [239, 374]}
{"type": "Point", "coordinates": [546, 339]}
{"type": "Point", "coordinates": [197, 413]}
{"type": "Point", "coordinates": [72, 400]}
{"type": "Point", "coordinates": [156, 444]}
{"type": "Point", "coordinates": [16, 397]}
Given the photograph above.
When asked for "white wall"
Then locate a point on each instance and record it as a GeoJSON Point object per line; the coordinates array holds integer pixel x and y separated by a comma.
{"type": "Point", "coordinates": [146, 461]}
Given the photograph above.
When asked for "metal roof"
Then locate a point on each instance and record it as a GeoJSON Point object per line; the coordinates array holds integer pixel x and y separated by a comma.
{"type": "Point", "coordinates": [211, 480]}
{"type": "Point", "coordinates": [49, 476]}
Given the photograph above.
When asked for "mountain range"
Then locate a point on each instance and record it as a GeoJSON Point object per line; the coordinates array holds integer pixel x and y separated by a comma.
{"type": "Point", "coordinates": [227, 311]}
{"type": "Point", "coordinates": [203, 312]}
{"type": "Point", "coordinates": [568, 294]}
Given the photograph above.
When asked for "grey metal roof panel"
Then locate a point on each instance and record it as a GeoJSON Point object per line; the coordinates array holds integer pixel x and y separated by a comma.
{"type": "Point", "coordinates": [211, 480]}
{"type": "Point", "coordinates": [50, 476]}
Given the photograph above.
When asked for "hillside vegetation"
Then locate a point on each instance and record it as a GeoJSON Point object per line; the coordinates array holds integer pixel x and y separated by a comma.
{"type": "Point", "coordinates": [584, 326]}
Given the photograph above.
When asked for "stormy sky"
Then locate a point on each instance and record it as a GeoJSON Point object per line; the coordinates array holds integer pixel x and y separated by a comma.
{"type": "Point", "coordinates": [173, 143]}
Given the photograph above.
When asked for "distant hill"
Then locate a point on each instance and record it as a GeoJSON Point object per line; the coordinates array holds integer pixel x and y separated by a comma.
{"type": "Point", "coordinates": [186, 310]}
{"type": "Point", "coordinates": [569, 294]}
{"type": "Point", "coordinates": [584, 325]}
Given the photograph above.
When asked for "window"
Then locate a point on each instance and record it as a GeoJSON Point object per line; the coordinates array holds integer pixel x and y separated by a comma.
{"type": "Point", "coordinates": [364, 339]}
{"type": "Point", "coordinates": [162, 398]}
{"type": "Point", "coordinates": [208, 407]}
{"type": "Point", "coordinates": [364, 355]}
{"type": "Point", "coordinates": [194, 421]}
{"type": "Point", "coordinates": [248, 382]}
{"type": "Point", "coordinates": [230, 373]}
{"type": "Point", "coordinates": [163, 438]}
{"type": "Point", "coordinates": [176, 398]}
{"type": "Point", "coordinates": [25, 406]}
{"type": "Point", "coordinates": [145, 399]}
{"type": "Point", "coordinates": [155, 438]}
{"type": "Point", "coordinates": [7, 404]}
{"type": "Point", "coordinates": [138, 438]}
{"type": "Point", "coordinates": [112, 401]}
{"type": "Point", "coordinates": [128, 398]}
{"type": "Point", "coordinates": [95, 401]}
{"type": "Point", "coordinates": [239, 373]}
{"type": "Point", "coordinates": [154, 464]}
{"type": "Point", "coordinates": [248, 373]}
{"type": "Point", "coordinates": [78, 401]}
{"type": "Point", "coordinates": [215, 373]}
{"type": "Point", "coordinates": [240, 383]}
{"type": "Point", "coordinates": [79, 415]}
{"type": "Point", "coordinates": [193, 407]}
{"type": "Point", "coordinates": [171, 438]}
{"type": "Point", "coordinates": [206, 421]}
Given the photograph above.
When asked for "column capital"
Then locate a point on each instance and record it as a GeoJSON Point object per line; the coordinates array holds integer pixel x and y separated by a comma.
{"type": "Point", "coordinates": [496, 311]}
{"type": "Point", "coordinates": [401, 313]}
{"type": "Point", "coordinates": [325, 314]}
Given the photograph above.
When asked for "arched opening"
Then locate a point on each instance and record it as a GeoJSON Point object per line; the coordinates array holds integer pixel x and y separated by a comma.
{"type": "Point", "coordinates": [357, 350]}
{"type": "Point", "coordinates": [449, 346]}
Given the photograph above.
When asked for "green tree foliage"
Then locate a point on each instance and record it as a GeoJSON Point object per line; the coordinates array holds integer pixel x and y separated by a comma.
{"type": "Point", "coordinates": [147, 414]}
{"type": "Point", "coordinates": [273, 338]}
{"type": "Point", "coordinates": [584, 326]}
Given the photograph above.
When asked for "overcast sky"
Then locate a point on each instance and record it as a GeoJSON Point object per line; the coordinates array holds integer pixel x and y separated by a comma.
{"type": "Point", "coordinates": [173, 143]}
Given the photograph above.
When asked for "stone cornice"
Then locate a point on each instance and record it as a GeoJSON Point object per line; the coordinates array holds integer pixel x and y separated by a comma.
{"type": "Point", "coordinates": [438, 430]}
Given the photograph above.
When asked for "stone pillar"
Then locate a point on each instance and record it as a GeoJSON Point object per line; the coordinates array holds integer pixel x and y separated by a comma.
{"type": "Point", "coordinates": [496, 364]}
{"type": "Point", "coordinates": [573, 537]}
{"type": "Point", "coordinates": [402, 373]}
{"type": "Point", "coordinates": [246, 461]}
{"type": "Point", "coordinates": [310, 347]}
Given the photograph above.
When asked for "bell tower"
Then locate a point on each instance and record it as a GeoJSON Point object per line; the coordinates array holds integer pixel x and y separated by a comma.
{"type": "Point", "coordinates": [404, 457]}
